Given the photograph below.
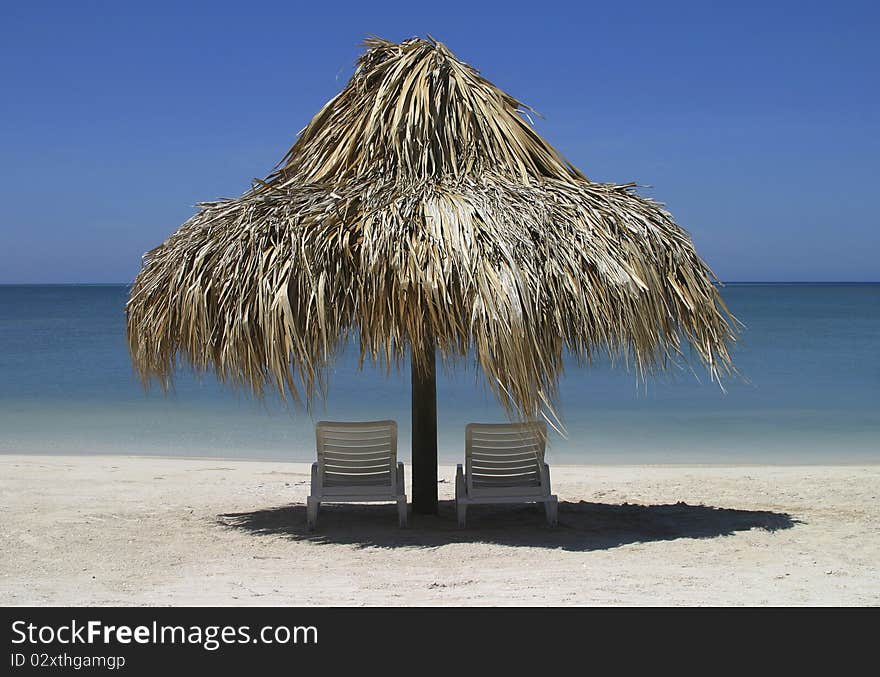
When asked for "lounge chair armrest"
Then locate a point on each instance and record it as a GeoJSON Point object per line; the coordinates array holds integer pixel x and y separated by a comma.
{"type": "Point", "coordinates": [316, 485]}
{"type": "Point", "coordinates": [459, 481]}
{"type": "Point", "coordinates": [546, 480]}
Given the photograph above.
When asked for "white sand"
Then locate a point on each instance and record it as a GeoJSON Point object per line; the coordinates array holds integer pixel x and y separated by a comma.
{"type": "Point", "coordinates": [153, 531]}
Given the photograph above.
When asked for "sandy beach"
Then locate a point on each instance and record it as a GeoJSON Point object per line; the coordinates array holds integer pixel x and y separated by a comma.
{"type": "Point", "coordinates": [103, 530]}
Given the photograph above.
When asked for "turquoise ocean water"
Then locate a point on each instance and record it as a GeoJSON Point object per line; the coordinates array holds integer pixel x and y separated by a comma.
{"type": "Point", "coordinates": [809, 357]}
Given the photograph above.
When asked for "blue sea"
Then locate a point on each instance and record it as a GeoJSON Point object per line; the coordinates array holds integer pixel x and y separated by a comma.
{"type": "Point", "coordinates": [808, 390]}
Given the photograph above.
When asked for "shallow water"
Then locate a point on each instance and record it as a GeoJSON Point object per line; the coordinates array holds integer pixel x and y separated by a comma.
{"type": "Point", "coordinates": [808, 355]}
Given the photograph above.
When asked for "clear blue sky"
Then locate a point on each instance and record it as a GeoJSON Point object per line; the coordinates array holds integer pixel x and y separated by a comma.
{"type": "Point", "coordinates": [758, 125]}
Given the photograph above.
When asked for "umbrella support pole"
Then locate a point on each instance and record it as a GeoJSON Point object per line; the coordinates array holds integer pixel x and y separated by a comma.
{"type": "Point", "coordinates": [424, 433]}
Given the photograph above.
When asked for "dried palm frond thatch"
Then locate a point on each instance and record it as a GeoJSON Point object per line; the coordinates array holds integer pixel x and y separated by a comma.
{"type": "Point", "coordinates": [420, 208]}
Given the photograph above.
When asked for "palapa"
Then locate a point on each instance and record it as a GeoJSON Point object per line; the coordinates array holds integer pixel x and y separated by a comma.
{"type": "Point", "coordinates": [420, 209]}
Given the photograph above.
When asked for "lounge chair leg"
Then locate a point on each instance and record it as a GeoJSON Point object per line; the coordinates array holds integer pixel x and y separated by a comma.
{"type": "Point", "coordinates": [551, 508]}
{"type": "Point", "coordinates": [462, 514]}
{"type": "Point", "coordinates": [401, 512]}
{"type": "Point", "coordinates": [312, 513]}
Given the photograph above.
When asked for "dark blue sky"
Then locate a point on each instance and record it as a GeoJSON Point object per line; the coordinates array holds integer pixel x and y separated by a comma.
{"type": "Point", "coordinates": [756, 124]}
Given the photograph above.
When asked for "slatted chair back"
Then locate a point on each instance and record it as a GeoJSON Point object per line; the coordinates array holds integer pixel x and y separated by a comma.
{"type": "Point", "coordinates": [505, 458]}
{"type": "Point", "coordinates": [357, 458]}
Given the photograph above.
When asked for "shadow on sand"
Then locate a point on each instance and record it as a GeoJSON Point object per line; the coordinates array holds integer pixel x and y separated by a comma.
{"type": "Point", "coordinates": [582, 526]}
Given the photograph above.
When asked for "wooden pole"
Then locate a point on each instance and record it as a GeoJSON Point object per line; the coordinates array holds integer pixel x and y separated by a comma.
{"type": "Point", "coordinates": [424, 432]}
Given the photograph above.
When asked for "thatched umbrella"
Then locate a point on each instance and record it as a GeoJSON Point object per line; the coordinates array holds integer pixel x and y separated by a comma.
{"type": "Point", "coordinates": [419, 211]}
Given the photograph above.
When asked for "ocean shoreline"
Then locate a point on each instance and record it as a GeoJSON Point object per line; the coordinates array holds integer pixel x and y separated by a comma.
{"type": "Point", "coordinates": [302, 459]}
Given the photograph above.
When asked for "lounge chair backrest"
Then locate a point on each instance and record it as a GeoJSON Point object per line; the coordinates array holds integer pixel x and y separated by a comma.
{"type": "Point", "coordinates": [357, 455]}
{"type": "Point", "coordinates": [504, 456]}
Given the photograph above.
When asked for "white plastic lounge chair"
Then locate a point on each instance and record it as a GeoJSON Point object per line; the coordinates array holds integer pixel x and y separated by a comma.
{"type": "Point", "coordinates": [357, 462]}
{"type": "Point", "coordinates": [504, 463]}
